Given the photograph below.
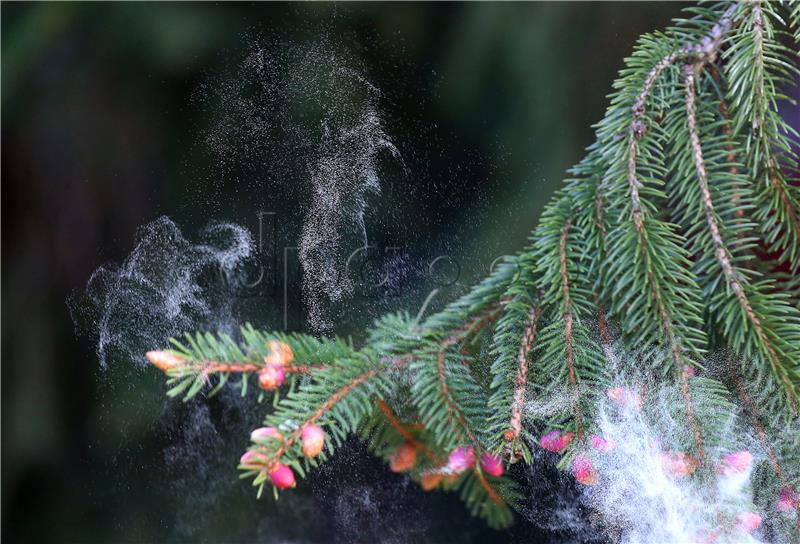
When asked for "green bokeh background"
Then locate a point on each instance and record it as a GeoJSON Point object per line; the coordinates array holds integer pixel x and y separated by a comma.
{"type": "Point", "coordinates": [100, 135]}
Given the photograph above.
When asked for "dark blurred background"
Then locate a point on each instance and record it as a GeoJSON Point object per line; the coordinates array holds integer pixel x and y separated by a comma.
{"type": "Point", "coordinates": [107, 113]}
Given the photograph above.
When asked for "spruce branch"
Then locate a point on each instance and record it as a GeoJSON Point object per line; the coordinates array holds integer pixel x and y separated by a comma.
{"type": "Point", "coordinates": [521, 380]}
{"type": "Point", "coordinates": [758, 66]}
{"type": "Point", "coordinates": [737, 286]}
{"type": "Point", "coordinates": [457, 419]}
{"type": "Point", "coordinates": [512, 340]}
{"type": "Point", "coordinates": [655, 241]}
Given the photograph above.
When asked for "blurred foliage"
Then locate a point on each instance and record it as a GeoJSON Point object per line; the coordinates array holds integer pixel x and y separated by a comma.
{"type": "Point", "coordinates": [101, 135]}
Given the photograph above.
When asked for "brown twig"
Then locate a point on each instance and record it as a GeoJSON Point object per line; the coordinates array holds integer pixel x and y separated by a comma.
{"type": "Point", "coordinates": [211, 367]}
{"type": "Point", "coordinates": [403, 431]}
{"type": "Point", "coordinates": [521, 381]}
{"type": "Point", "coordinates": [705, 49]}
{"type": "Point", "coordinates": [721, 252]}
{"type": "Point", "coordinates": [493, 495]}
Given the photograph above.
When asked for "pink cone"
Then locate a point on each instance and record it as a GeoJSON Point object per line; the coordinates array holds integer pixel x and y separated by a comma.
{"type": "Point", "coordinates": [583, 470]}
{"type": "Point", "coordinates": [788, 499]}
{"type": "Point", "coordinates": [747, 521]}
{"type": "Point", "coordinates": [280, 353]}
{"type": "Point", "coordinates": [736, 463]}
{"type": "Point", "coordinates": [678, 464]}
{"type": "Point", "coordinates": [601, 444]}
{"type": "Point", "coordinates": [313, 439]}
{"type": "Point", "coordinates": [554, 441]}
{"type": "Point", "coordinates": [492, 465]}
{"type": "Point", "coordinates": [461, 459]}
{"type": "Point", "coordinates": [271, 377]}
{"type": "Point", "coordinates": [282, 476]}
{"type": "Point", "coordinates": [262, 434]}
{"type": "Point", "coordinates": [164, 360]}
{"type": "Point", "coordinates": [252, 458]}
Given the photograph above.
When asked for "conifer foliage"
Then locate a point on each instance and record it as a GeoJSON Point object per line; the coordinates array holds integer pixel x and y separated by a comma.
{"type": "Point", "coordinates": [678, 233]}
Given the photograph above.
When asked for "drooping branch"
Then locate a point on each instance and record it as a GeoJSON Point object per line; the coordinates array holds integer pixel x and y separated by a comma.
{"type": "Point", "coordinates": [636, 132]}
{"type": "Point", "coordinates": [454, 413]}
{"type": "Point", "coordinates": [705, 51]}
{"type": "Point", "coordinates": [721, 252]}
{"type": "Point", "coordinates": [521, 380]}
{"type": "Point", "coordinates": [461, 335]}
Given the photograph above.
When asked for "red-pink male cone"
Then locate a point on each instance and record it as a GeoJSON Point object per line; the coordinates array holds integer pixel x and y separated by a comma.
{"type": "Point", "coordinates": [555, 441]}
{"type": "Point", "coordinates": [747, 521]}
{"type": "Point", "coordinates": [280, 353]}
{"type": "Point", "coordinates": [622, 396]}
{"type": "Point", "coordinates": [736, 463]}
{"type": "Point", "coordinates": [313, 439]}
{"type": "Point", "coordinates": [282, 476]}
{"type": "Point", "coordinates": [678, 464]}
{"type": "Point", "coordinates": [583, 470]}
{"type": "Point", "coordinates": [271, 377]}
{"type": "Point", "coordinates": [492, 465]}
{"type": "Point", "coordinates": [252, 459]}
{"type": "Point", "coordinates": [461, 459]}
{"type": "Point", "coordinates": [262, 434]}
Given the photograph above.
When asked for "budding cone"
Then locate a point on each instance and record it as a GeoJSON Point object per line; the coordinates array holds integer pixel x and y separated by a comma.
{"type": "Point", "coordinates": [271, 377]}
{"type": "Point", "coordinates": [164, 360]}
{"type": "Point", "coordinates": [678, 464]}
{"type": "Point", "coordinates": [403, 458]}
{"type": "Point", "coordinates": [264, 433]}
{"type": "Point", "coordinates": [556, 442]}
{"type": "Point", "coordinates": [282, 476]}
{"type": "Point", "coordinates": [280, 353]}
{"type": "Point", "coordinates": [430, 480]}
{"type": "Point", "coordinates": [736, 463]}
{"type": "Point", "coordinates": [492, 465]}
{"type": "Point", "coordinates": [461, 459]}
{"type": "Point", "coordinates": [601, 444]}
{"type": "Point", "coordinates": [583, 470]}
{"type": "Point", "coordinates": [313, 439]}
{"type": "Point", "coordinates": [624, 397]}
{"type": "Point", "coordinates": [747, 521]}
{"type": "Point", "coordinates": [252, 459]}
